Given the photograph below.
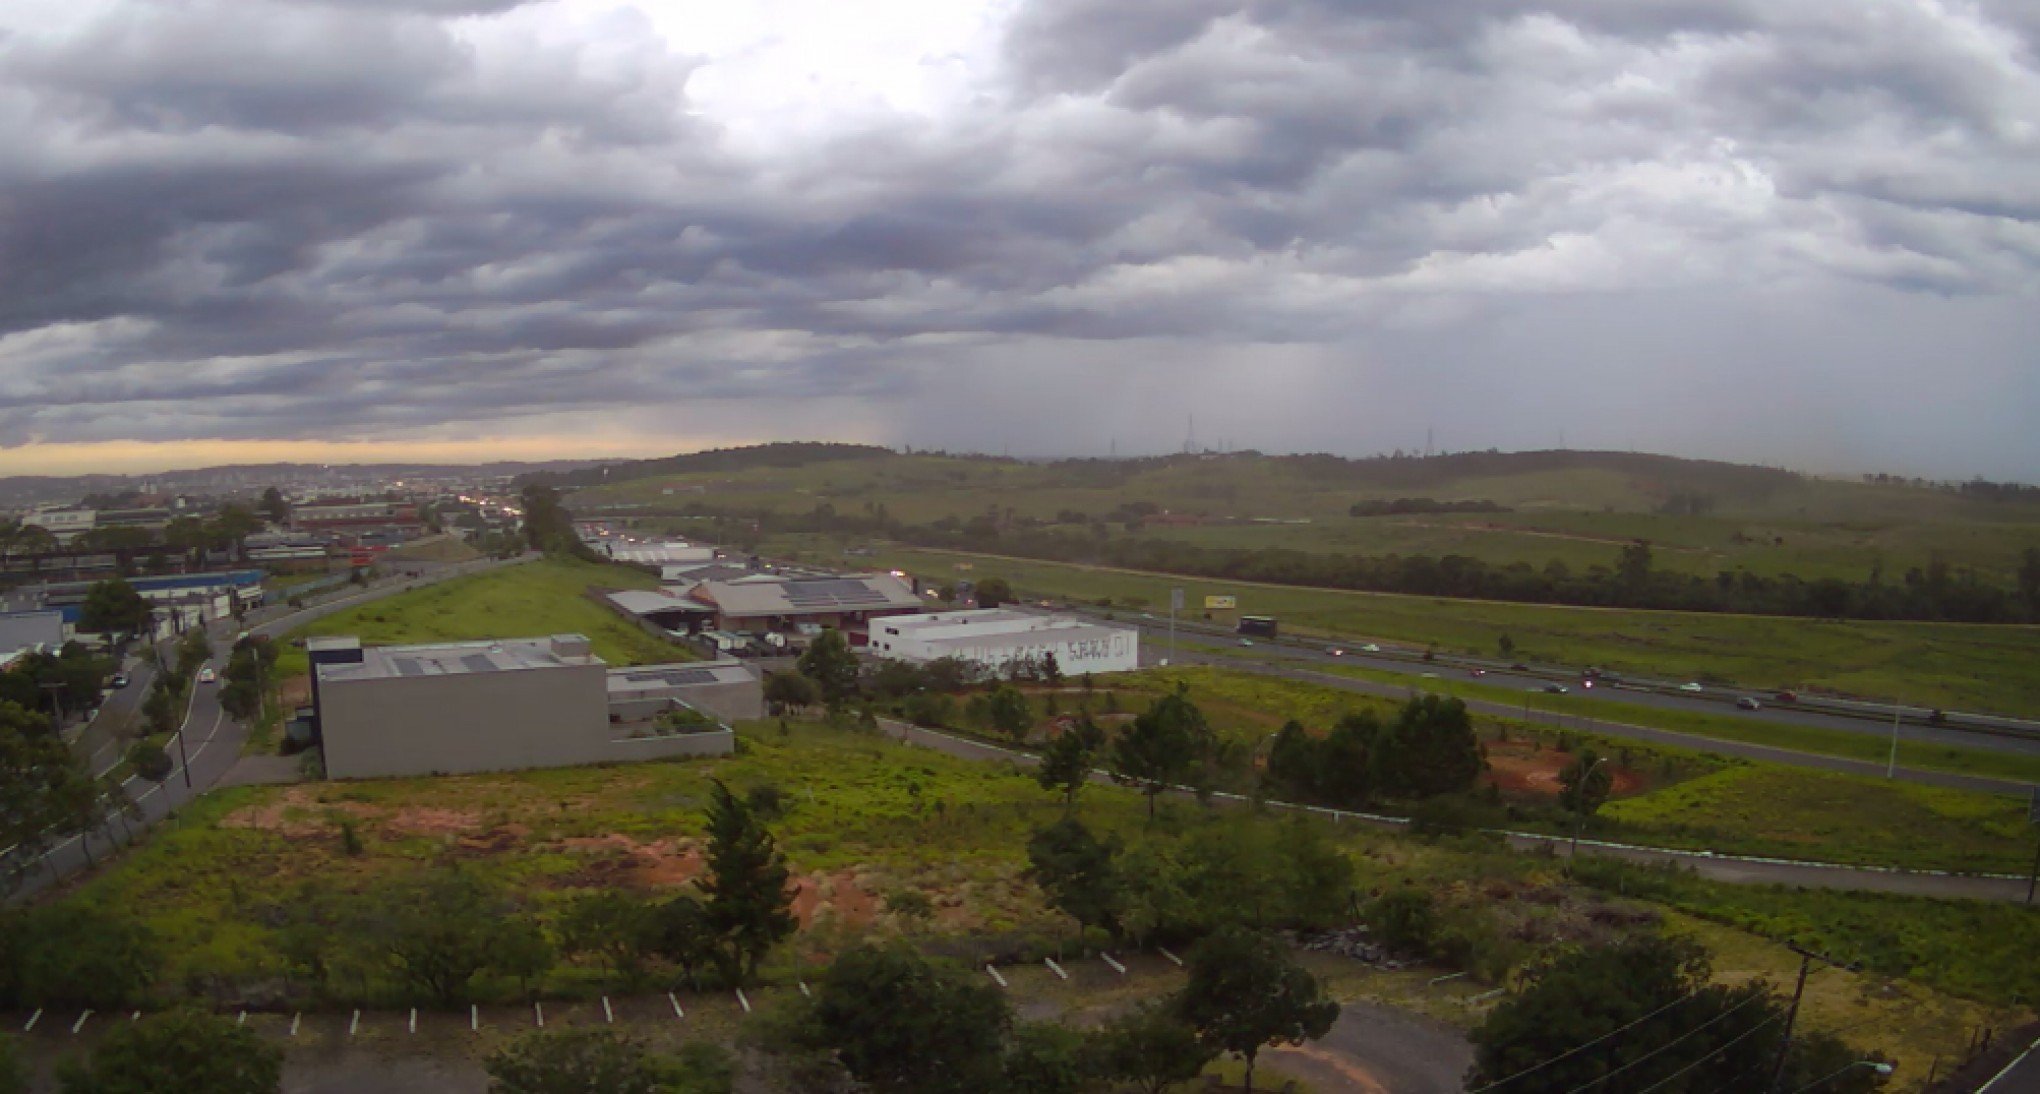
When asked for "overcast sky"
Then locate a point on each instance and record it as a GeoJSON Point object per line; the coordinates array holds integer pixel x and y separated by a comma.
{"type": "Point", "coordinates": [1803, 232]}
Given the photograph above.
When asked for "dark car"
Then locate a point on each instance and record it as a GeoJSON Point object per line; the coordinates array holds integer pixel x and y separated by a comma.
{"type": "Point", "coordinates": [1554, 689]}
{"type": "Point", "coordinates": [1787, 697]}
{"type": "Point", "coordinates": [1519, 667]}
{"type": "Point", "coordinates": [1747, 703]}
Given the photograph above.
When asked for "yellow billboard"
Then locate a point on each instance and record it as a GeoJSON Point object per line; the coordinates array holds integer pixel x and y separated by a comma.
{"type": "Point", "coordinates": [1212, 603]}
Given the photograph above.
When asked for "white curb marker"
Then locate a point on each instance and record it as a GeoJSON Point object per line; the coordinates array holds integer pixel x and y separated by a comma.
{"type": "Point", "coordinates": [538, 1012]}
{"type": "Point", "coordinates": [32, 1020]}
{"type": "Point", "coordinates": [474, 1018]}
{"type": "Point", "coordinates": [80, 1023]}
{"type": "Point", "coordinates": [1177, 961]}
{"type": "Point", "coordinates": [746, 1002]}
{"type": "Point", "coordinates": [804, 991]}
{"type": "Point", "coordinates": [608, 1015]}
{"type": "Point", "coordinates": [675, 1000]}
{"type": "Point", "coordinates": [354, 1026]}
{"type": "Point", "coordinates": [996, 976]}
{"type": "Point", "coordinates": [1116, 966]}
{"type": "Point", "coordinates": [294, 1020]}
{"type": "Point", "coordinates": [1055, 968]}
{"type": "Point", "coordinates": [414, 1019]}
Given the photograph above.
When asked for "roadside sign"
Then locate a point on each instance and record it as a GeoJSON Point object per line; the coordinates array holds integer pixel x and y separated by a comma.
{"type": "Point", "coordinates": [1176, 599]}
{"type": "Point", "coordinates": [1216, 603]}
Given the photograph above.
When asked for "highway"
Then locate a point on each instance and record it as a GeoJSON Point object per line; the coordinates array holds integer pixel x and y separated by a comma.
{"type": "Point", "coordinates": [1309, 662]}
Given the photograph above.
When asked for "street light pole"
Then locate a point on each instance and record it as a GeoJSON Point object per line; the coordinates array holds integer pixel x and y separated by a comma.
{"type": "Point", "coordinates": [1891, 765]}
{"type": "Point", "coordinates": [1580, 806]}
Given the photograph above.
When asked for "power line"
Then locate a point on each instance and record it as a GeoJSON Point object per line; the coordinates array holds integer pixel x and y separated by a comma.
{"type": "Point", "coordinates": [1671, 1044]}
{"type": "Point", "coordinates": [1590, 1044]}
{"type": "Point", "coordinates": [1724, 1048]}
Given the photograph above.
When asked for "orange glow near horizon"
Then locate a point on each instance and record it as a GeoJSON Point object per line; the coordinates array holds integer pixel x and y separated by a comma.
{"type": "Point", "coordinates": [148, 457]}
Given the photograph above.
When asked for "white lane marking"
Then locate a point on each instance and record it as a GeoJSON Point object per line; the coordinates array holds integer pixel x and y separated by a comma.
{"type": "Point", "coordinates": [1055, 968]}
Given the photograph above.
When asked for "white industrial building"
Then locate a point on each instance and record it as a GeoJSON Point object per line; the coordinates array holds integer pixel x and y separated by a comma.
{"type": "Point", "coordinates": [994, 638]}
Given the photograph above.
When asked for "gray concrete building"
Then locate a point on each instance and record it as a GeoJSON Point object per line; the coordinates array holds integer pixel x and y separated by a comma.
{"type": "Point", "coordinates": [451, 708]}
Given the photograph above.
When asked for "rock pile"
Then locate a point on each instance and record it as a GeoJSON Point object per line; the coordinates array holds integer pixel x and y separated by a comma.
{"type": "Point", "coordinates": [1350, 942]}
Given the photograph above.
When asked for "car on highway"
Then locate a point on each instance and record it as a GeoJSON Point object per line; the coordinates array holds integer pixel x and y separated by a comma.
{"type": "Point", "coordinates": [1246, 641]}
{"type": "Point", "coordinates": [1476, 672]}
{"type": "Point", "coordinates": [1519, 667]}
{"type": "Point", "coordinates": [207, 675]}
{"type": "Point", "coordinates": [1370, 648]}
{"type": "Point", "coordinates": [120, 680]}
{"type": "Point", "coordinates": [1786, 697]}
{"type": "Point", "coordinates": [1691, 687]}
{"type": "Point", "coordinates": [1748, 703]}
{"type": "Point", "coordinates": [1336, 652]}
{"type": "Point", "coordinates": [1553, 689]}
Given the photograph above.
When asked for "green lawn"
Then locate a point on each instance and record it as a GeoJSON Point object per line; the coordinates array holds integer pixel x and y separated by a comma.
{"type": "Point", "coordinates": [522, 601]}
{"type": "Point", "coordinates": [1955, 666]}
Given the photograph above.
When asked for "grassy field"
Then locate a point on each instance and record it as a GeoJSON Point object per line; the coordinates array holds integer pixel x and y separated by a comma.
{"type": "Point", "coordinates": [1726, 727]}
{"type": "Point", "coordinates": [527, 600]}
{"type": "Point", "coordinates": [1574, 508]}
{"type": "Point", "coordinates": [863, 817]}
{"type": "Point", "coordinates": [1958, 667]}
{"type": "Point", "coordinates": [1689, 800]}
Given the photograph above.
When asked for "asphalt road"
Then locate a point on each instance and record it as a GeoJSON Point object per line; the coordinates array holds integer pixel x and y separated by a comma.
{"type": "Point", "coordinates": [1375, 1049]}
{"type": "Point", "coordinates": [1307, 664]}
{"type": "Point", "coordinates": [209, 740]}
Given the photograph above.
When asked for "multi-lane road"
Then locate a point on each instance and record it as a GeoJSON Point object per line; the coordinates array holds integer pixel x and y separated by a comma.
{"type": "Point", "coordinates": [1313, 663]}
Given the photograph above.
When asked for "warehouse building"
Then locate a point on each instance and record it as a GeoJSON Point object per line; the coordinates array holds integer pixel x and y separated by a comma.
{"type": "Point", "coordinates": [450, 708]}
{"type": "Point", "coordinates": [762, 603]}
{"type": "Point", "coordinates": [994, 638]}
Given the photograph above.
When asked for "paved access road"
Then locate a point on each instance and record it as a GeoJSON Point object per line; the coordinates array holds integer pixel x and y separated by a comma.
{"type": "Point", "coordinates": [1376, 1049]}
{"type": "Point", "coordinates": [209, 743]}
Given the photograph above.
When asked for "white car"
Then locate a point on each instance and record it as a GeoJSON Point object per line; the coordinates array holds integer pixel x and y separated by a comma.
{"type": "Point", "coordinates": [206, 675]}
{"type": "Point", "coordinates": [1691, 687]}
{"type": "Point", "coordinates": [1370, 648]}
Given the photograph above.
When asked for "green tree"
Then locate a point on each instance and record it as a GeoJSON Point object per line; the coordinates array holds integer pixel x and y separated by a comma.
{"type": "Point", "coordinates": [1293, 762]}
{"type": "Point", "coordinates": [1506, 645]}
{"type": "Point", "coordinates": [619, 929]}
{"type": "Point", "coordinates": [1007, 712]}
{"type": "Point", "coordinates": [1067, 761]}
{"type": "Point", "coordinates": [45, 790]}
{"type": "Point", "coordinates": [575, 1061]}
{"type": "Point", "coordinates": [1048, 1058]}
{"type": "Point", "coordinates": [180, 1051]}
{"type": "Point", "coordinates": [232, 524]}
{"type": "Point", "coordinates": [686, 938]}
{"type": "Point", "coordinates": [1429, 750]}
{"type": "Point", "coordinates": [114, 607]}
{"type": "Point", "coordinates": [898, 1022]}
{"type": "Point", "coordinates": [1161, 746]}
{"type": "Point", "coordinates": [992, 592]}
{"type": "Point", "coordinates": [831, 664]}
{"type": "Point", "coordinates": [1152, 1048]}
{"type": "Point", "coordinates": [1245, 992]}
{"type": "Point", "coordinates": [548, 527]}
{"type": "Point", "coordinates": [440, 932]}
{"type": "Point", "coordinates": [1584, 784]}
{"type": "Point", "coordinates": [790, 691]}
{"type": "Point", "coordinates": [1632, 568]}
{"type": "Point", "coordinates": [1405, 920]}
{"type": "Point", "coordinates": [150, 761]}
{"type": "Point", "coordinates": [1675, 1023]}
{"type": "Point", "coordinates": [274, 507]}
{"type": "Point", "coordinates": [1077, 872]}
{"type": "Point", "coordinates": [163, 710]}
{"type": "Point", "coordinates": [749, 906]}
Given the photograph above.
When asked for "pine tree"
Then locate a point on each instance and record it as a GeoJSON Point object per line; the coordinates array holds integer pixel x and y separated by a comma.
{"type": "Point", "coordinates": [749, 902]}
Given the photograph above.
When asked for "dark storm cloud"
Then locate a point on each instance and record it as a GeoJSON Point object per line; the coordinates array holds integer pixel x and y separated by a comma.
{"type": "Point", "coordinates": [367, 217]}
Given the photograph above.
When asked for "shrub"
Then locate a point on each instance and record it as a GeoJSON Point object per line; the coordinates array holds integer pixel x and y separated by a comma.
{"type": "Point", "coordinates": [1404, 920]}
{"type": "Point", "coordinates": [150, 761]}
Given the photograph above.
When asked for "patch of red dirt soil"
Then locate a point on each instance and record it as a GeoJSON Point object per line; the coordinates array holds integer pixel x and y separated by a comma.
{"type": "Point", "coordinates": [1518, 770]}
{"type": "Point", "coordinates": [295, 692]}
{"type": "Point", "coordinates": [420, 821]}
{"type": "Point", "coordinates": [660, 864]}
{"type": "Point", "coordinates": [839, 894]}
{"type": "Point", "coordinates": [318, 819]}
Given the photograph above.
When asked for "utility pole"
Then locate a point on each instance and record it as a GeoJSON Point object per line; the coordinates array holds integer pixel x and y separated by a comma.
{"type": "Point", "coordinates": [2033, 818]}
{"type": "Point", "coordinates": [1175, 605]}
{"type": "Point", "coordinates": [1806, 959]}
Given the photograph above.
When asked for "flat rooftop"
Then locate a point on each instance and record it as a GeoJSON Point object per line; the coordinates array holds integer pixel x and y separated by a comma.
{"type": "Point", "coordinates": [464, 658]}
{"type": "Point", "coordinates": [977, 625]}
{"type": "Point", "coordinates": [623, 683]}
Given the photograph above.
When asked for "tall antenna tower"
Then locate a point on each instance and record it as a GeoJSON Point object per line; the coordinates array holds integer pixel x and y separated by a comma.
{"type": "Point", "coordinates": [1190, 438]}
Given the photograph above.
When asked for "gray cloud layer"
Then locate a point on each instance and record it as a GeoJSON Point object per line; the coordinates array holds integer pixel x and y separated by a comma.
{"type": "Point", "coordinates": [1795, 230]}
